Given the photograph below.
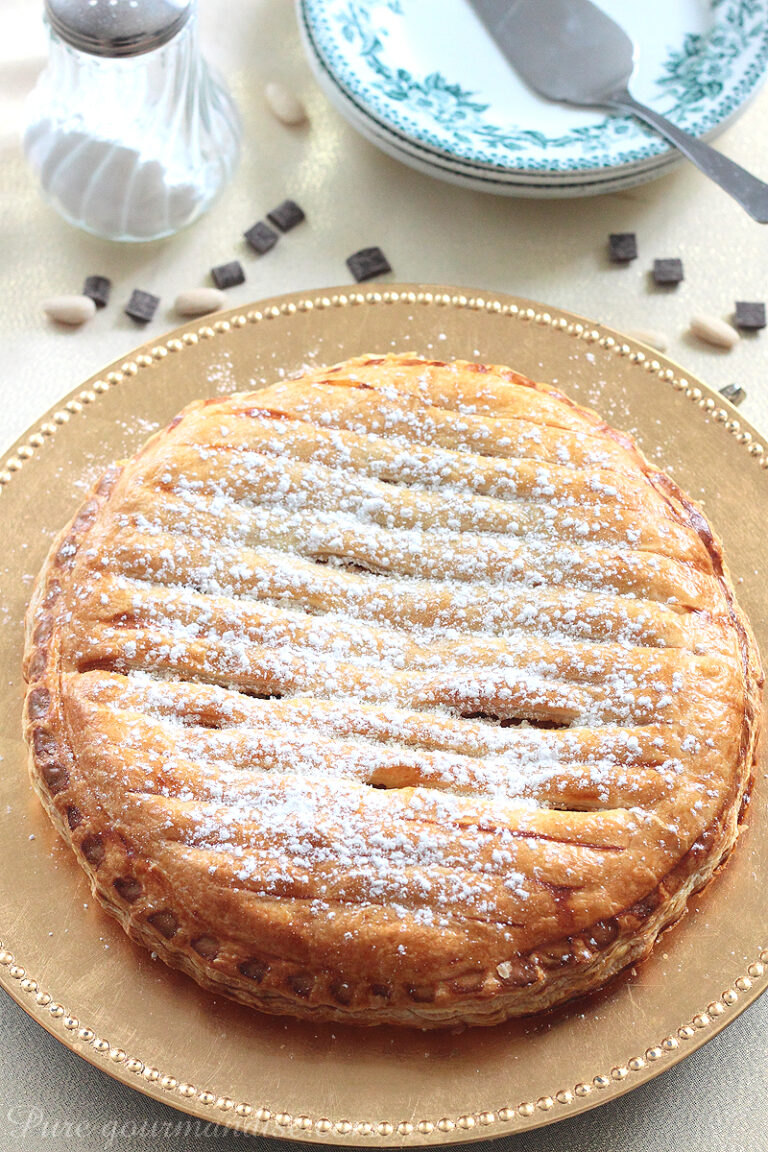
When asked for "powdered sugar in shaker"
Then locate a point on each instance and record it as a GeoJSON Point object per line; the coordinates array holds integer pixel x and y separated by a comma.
{"type": "Point", "coordinates": [130, 133]}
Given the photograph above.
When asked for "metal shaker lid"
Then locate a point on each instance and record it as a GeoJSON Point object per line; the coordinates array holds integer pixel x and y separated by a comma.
{"type": "Point", "coordinates": [117, 27]}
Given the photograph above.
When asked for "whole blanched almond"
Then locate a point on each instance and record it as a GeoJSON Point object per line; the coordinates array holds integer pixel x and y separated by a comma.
{"type": "Point", "coordinates": [650, 336]}
{"type": "Point", "coordinates": [72, 310]}
{"type": "Point", "coordinates": [284, 104]}
{"type": "Point", "coordinates": [715, 331]}
{"type": "Point", "coordinates": [199, 301]}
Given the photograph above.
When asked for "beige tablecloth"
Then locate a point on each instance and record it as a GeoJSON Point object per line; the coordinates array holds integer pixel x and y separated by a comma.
{"type": "Point", "coordinates": [354, 197]}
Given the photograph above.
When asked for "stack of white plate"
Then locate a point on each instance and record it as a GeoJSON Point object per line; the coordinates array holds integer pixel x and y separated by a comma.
{"type": "Point", "coordinates": [425, 82]}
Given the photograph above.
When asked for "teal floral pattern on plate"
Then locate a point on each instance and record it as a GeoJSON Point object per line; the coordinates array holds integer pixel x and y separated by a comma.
{"type": "Point", "coordinates": [425, 71]}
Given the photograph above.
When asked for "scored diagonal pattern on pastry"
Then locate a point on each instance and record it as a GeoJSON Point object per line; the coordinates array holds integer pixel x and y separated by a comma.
{"type": "Point", "coordinates": [400, 692]}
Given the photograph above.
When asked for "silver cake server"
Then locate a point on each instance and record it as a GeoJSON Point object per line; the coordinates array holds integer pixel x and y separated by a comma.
{"type": "Point", "coordinates": [571, 51]}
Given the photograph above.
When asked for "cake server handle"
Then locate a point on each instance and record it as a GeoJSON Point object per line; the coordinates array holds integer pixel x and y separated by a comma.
{"type": "Point", "coordinates": [747, 189]}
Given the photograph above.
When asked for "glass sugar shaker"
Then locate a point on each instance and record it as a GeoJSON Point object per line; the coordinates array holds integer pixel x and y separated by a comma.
{"type": "Point", "coordinates": [131, 134]}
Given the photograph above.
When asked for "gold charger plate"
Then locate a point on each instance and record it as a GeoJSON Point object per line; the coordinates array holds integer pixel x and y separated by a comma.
{"type": "Point", "coordinates": [75, 972]}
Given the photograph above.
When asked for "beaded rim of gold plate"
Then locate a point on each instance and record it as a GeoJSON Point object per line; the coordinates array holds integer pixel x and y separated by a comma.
{"type": "Point", "coordinates": [265, 1121]}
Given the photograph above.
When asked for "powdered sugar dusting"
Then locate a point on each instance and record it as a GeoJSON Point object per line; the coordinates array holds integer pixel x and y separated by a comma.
{"type": "Point", "coordinates": [415, 638]}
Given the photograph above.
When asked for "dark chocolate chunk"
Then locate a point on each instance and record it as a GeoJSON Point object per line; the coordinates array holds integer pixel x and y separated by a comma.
{"type": "Point", "coordinates": [749, 314]}
{"type": "Point", "coordinates": [367, 263]}
{"type": "Point", "coordinates": [142, 305]}
{"type": "Point", "coordinates": [733, 392]}
{"type": "Point", "coordinates": [98, 288]}
{"type": "Point", "coordinates": [261, 237]}
{"type": "Point", "coordinates": [286, 216]}
{"type": "Point", "coordinates": [228, 275]}
{"type": "Point", "coordinates": [622, 247]}
{"type": "Point", "coordinates": [668, 271]}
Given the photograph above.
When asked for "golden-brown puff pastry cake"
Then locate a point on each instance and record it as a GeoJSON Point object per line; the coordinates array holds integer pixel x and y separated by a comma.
{"type": "Point", "coordinates": [402, 692]}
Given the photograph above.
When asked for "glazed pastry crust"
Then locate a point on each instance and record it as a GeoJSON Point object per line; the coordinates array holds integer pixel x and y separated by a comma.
{"type": "Point", "coordinates": [405, 692]}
